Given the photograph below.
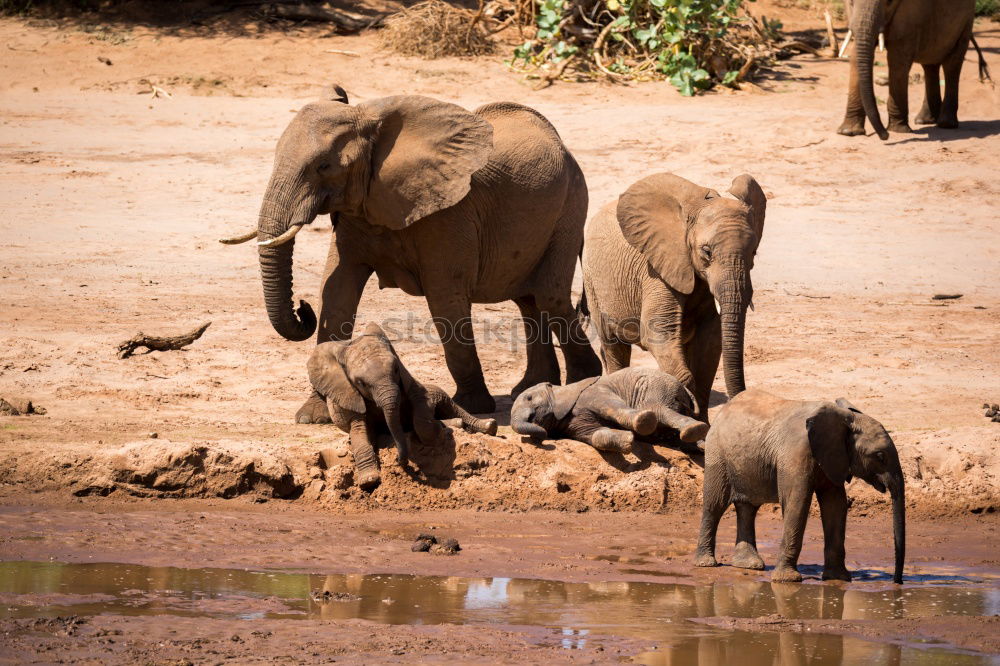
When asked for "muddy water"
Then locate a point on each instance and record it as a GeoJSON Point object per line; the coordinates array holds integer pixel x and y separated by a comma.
{"type": "Point", "coordinates": [647, 611]}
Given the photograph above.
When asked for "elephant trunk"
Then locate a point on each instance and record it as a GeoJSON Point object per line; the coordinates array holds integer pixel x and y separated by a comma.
{"type": "Point", "coordinates": [276, 214]}
{"type": "Point", "coordinates": [895, 485]}
{"type": "Point", "coordinates": [734, 296]}
{"type": "Point", "coordinates": [389, 399]}
{"type": "Point", "coordinates": [520, 421]}
{"type": "Point", "coordinates": [868, 21]}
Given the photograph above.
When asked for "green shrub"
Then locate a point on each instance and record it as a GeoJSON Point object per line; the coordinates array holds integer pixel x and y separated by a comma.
{"type": "Point", "coordinates": [990, 8]}
{"type": "Point", "coordinates": [694, 44]}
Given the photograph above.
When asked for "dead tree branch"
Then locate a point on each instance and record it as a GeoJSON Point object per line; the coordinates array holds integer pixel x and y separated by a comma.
{"type": "Point", "coordinates": [153, 343]}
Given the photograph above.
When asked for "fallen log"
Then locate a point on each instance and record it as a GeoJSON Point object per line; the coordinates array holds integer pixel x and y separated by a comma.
{"type": "Point", "coordinates": [348, 21]}
{"type": "Point", "coordinates": [154, 343]}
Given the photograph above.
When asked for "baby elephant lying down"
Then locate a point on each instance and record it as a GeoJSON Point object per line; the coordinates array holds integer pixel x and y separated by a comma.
{"type": "Point", "coordinates": [608, 411]}
{"type": "Point", "coordinates": [367, 388]}
{"type": "Point", "coordinates": [763, 449]}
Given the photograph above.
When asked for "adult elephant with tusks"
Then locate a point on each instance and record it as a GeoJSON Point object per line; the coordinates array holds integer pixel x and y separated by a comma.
{"type": "Point", "coordinates": [459, 207]}
{"type": "Point", "coordinates": [934, 33]}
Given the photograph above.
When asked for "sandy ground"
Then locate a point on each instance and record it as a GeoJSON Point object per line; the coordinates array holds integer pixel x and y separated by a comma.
{"type": "Point", "coordinates": [113, 200]}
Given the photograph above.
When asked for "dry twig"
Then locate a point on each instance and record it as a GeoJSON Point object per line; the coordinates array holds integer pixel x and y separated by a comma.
{"type": "Point", "coordinates": [153, 343]}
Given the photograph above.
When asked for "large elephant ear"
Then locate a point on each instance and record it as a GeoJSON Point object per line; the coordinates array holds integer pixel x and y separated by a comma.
{"type": "Point", "coordinates": [424, 156]}
{"type": "Point", "coordinates": [746, 189]}
{"type": "Point", "coordinates": [326, 373]}
{"type": "Point", "coordinates": [653, 217]}
{"type": "Point", "coordinates": [565, 397]}
{"type": "Point", "coordinates": [831, 441]}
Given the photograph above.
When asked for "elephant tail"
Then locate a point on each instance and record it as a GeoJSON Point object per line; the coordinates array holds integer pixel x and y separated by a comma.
{"type": "Point", "coordinates": [984, 71]}
{"type": "Point", "coordinates": [583, 310]}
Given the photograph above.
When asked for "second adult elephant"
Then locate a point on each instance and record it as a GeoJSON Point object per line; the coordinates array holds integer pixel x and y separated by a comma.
{"type": "Point", "coordinates": [667, 267]}
{"type": "Point", "coordinates": [459, 207]}
{"type": "Point", "coordinates": [934, 33]}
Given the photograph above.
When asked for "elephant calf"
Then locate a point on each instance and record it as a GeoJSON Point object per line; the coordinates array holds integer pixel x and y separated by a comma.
{"type": "Point", "coordinates": [366, 388]}
{"type": "Point", "coordinates": [608, 411]}
{"type": "Point", "coordinates": [763, 449]}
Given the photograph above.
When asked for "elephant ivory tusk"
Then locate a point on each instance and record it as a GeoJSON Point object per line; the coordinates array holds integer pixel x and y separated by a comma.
{"type": "Point", "coordinates": [750, 305]}
{"type": "Point", "coordinates": [283, 238]}
{"type": "Point", "coordinates": [242, 238]}
{"type": "Point", "coordinates": [718, 306]}
{"type": "Point", "coordinates": [843, 47]}
{"type": "Point", "coordinates": [881, 42]}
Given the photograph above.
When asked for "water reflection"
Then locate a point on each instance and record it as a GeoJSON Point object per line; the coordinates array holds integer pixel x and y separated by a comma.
{"type": "Point", "coordinates": [648, 611]}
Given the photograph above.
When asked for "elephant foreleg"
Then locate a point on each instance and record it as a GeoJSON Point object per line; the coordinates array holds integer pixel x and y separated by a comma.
{"type": "Point", "coordinates": [702, 354]}
{"type": "Point", "coordinates": [452, 315]}
{"type": "Point", "coordinates": [688, 429]}
{"type": "Point", "coordinates": [616, 355]}
{"type": "Point", "coordinates": [342, 289]}
{"type": "Point", "coordinates": [795, 511]}
{"type": "Point", "coordinates": [366, 474]}
{"type": "Point", "coordinates": [542, 364]}
{"type": "Point", "coordinates": [931, 109]}
{"type": "Point", "coordinates": [854, 117]}
{"type": "Point", "coordinates": [899, 104]}
{"type": "Point", "coordinates": [610, 407]}
{"type": "Point", "coordinates": [715, 500]}
{"type": "Point", "coordinates": [833, 512]}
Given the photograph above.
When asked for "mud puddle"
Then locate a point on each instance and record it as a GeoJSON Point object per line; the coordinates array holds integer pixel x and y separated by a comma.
{"type": "Point", "coordinates": [575, 611]}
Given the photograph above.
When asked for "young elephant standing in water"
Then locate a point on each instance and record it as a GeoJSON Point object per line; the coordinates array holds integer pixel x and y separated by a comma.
{"type": "Point", "coordinates": [366, 388]}
{"type": "Point", "coordinates": [763, 449]}
{"type": "Point", "coordinates": [608, 411]}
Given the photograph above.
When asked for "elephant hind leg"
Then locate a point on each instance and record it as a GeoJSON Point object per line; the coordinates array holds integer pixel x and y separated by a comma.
{"type": "Point", "coordinates": [952, 66]}
{"type": "Point", "coordinates": [745, 554]}
{"type": "Point", "coordinates": [611, 439]}
{"type": "Point", "coordinates": [542, 365]}
{"type": "Point", "coordinates": [313, 410]}
{"type": "Point", "coordinates": [446, 408]}
{"type": "Point", "coordinates": [931, 109]}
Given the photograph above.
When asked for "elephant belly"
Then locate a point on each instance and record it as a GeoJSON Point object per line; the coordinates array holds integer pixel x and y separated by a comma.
{"type": "Point", "coordinates": [752, 485]}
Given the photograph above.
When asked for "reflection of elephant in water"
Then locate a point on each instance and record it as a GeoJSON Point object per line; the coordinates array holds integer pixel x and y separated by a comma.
{"type": "Point", "coordinates": [934, 33]}
{"type": "Point", "coordinates": [654, 263]}
{"type": "Point", "coordinates": [456, 206]}
{"type": "Point", "coordinates": [367, 388]}
{"type": "Point", "coordinates": [762, 449]}
{"type": "Point", "coordinates": [607, 412]}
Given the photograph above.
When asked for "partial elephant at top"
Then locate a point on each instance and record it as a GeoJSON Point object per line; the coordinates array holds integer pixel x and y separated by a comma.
{"type": "Point", "coordinates": [459, 207]}
{"type": "Point", "coordinates": [667, 267]}
{"type": "Point", "coordinates": [933, 33]}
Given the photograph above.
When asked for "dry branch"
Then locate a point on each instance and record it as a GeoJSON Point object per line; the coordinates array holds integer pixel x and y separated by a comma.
{"type": "Point", "coordinates": [347, 21]}
{"type": "Point", "coordinates": [153, 343]}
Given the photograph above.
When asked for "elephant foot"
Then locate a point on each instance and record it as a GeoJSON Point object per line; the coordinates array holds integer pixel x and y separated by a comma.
{"type": "Point", "coordinates": [925, 118]}
{"type": "Point", "coordinates": [852, 128]}
{"type": "Point", "coordinates": [786, 574]}
{"type": "Point", "coordinates": [693, 433]}
{"type": "Point", "coordinates": [368, 479]}
{"type": "Point", "coordinates": [482, 426]}
{"type": "Point", "coordinates": [476, 402]}
{"type": "Point", "coordinates": [644, 423]}
{"type": "Point", "coordinates": [900, 127]}
{"type": "Point", "coordinates": [705, 560]}
{"type": "Point", "coordinates": [313, 410]}
{"type": "Point", "coordinates": [836, 573]}
{"type": "Point", "coordinates": [746, 557]}
{"type": "Point", "coordinates": [948, 123]}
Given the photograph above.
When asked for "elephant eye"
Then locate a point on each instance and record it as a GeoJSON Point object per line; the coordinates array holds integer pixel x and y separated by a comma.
{"type": "Point", "coordinates": [880, 456]}
{"type": "Point", "coordinates": [324, 167]}
{"type": "Point", "coordinates": [706, 253]}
